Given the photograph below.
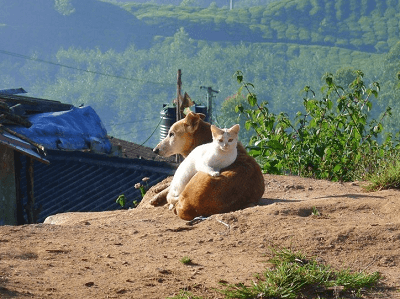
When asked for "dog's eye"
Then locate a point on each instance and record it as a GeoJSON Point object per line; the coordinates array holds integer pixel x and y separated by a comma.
{"type": "Point", "coordinates": [171, 134]}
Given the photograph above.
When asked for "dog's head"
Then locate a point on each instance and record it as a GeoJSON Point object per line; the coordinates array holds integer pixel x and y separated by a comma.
{"type": "Point", "coordinates": [183, 137]}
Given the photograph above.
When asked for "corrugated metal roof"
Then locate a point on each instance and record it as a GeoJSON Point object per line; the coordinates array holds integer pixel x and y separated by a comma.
{"type": "Point", "coordinates": [85, 182]}
{"type": "Point", "coordinates": [12, 91]}
{"type": "Point", "coordinates": [135, 151]}
{"type": "Point", "coordinates": [11, 138]}
{"type": "Point", "coordinates": [23, 105]}
{"type": "Point", "coordinates": [21, 146]}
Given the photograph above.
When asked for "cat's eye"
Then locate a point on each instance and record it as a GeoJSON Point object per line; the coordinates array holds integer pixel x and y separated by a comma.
{"type": "Point", "coordinates": [220, 140]}
{"type": "Point", "coordinates": [230, 140]}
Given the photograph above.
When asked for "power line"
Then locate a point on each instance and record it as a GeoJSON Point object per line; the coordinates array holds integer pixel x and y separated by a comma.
{"type": "Point", "coordinates": [151, 135]}
{"type": "Point", "coordinates": [134, 121]}
{"type": "Point", "coordinates": [141, 130]}
{"type": "Point", "coordinates": [78, 69]}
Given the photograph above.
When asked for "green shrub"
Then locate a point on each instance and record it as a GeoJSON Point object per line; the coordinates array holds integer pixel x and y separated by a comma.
{"type": "Point", "coordinates": [329, 140]}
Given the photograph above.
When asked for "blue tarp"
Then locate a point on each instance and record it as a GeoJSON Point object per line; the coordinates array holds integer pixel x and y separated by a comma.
{"type": "Point", "coordinates": [75, 129]}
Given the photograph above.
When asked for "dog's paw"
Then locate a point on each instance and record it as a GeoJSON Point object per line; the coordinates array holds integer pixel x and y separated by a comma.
{"type": "Point", "coordinates": [158, 200]}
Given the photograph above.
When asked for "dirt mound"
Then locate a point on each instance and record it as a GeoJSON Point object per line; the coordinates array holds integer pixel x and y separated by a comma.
{"type": "Point", "coordinates": [136, 253]}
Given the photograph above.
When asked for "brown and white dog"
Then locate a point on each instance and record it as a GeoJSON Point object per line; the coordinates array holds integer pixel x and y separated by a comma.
{"type": "Point", "coordinates": [239, 186]}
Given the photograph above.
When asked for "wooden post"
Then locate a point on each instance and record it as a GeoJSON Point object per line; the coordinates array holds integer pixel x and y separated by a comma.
{"type": "Point", "coordinates": [178, 96]}
{"type": "Point", "coordinates": [30, 210]}
{"type": "Point", "coordinates": [209, 104]}
{"type": "Point", "coordinates": [178, 104]}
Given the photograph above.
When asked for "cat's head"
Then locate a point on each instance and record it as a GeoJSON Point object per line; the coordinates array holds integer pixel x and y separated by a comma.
{"type": "Point", "coordinates": [225, 138]}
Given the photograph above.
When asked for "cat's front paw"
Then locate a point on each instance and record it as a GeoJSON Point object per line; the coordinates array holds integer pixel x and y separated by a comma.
{"type": "Point", "coordinates": [215, 173]}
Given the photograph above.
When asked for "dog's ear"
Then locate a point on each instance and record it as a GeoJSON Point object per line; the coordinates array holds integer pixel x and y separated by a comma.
{"type": "Point", "coordinates": [202, 116]}
{"type": "Point", "coordinates": [192, 121]}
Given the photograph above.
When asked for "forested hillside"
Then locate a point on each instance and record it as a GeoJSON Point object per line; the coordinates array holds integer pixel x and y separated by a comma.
{"type": "Point", "coordinates": [366, 25]}
{"type": "Point", "coordinates": [203, 3]}
{"type": "Point", "coordinates": [122, 59]}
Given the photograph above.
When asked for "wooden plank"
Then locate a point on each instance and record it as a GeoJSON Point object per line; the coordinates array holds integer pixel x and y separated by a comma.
{"type": "Point", "coordinates": [4, 106]}
{"type": "Point", "coordinates": [35, 102]}
{"type": "Point", "coordinates": [15, 119]}
{"type": "Point", "coordinates": [22, 137]}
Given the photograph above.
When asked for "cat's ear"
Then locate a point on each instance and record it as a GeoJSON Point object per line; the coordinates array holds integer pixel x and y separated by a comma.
{"type": "Point", "coordinates": [235, 129]}
{"type": "Point", "coordinates": [202, 116]}
{"type": "Point", "coordinates": [191, 121]}
{"type": "Point", "coordinates": [216, 131]}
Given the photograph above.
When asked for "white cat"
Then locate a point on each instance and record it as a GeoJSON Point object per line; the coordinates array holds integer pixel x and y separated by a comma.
{"type": "Point", "coordinates": [209, 158]}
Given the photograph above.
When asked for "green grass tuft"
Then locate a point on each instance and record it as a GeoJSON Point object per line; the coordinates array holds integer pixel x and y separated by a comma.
{"type": "Point", "coordinates": [387, 177]}
{"type": "Point", "coordinates": [293, 274]}
{"type": "Point", "coordinates": [186, 260]}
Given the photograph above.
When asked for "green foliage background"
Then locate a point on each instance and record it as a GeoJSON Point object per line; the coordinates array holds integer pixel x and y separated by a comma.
{"type": "Point", "coordinates": [281, 47]}
{"type": "Point", "coordinates": [335, 138]}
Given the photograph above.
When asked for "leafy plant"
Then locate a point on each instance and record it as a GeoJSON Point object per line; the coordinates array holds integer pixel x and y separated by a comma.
{"type": "Point", "coordinates": [326, 141]}
{"type": "Point", "coordinates": [143, 187]}
{"type": "Point", "coordinates": [315, 212]}
{"type": "Point", "coordinates": [227, 115]}
{"type": "Point", "coordinates": [293, 274]}
{"type": "Point", "coordinates": [121, 200]}
{"type": "Point", "coordinates": [186, 260]}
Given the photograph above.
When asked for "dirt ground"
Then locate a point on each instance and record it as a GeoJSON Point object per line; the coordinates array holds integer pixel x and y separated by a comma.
{"type": "Point", "coordinates": [136, 253]}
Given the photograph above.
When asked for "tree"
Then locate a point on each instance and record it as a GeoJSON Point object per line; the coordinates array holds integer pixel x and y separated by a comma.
{"type": "Point", "coordinates": [188, 3]}
{"type": "Point", "coordinates": [64, 7]}
{"type": "Point", "coordinates": [390, 96]}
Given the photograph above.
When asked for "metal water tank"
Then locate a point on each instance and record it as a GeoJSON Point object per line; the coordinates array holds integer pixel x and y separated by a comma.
{"type": "Point", "coordinates": [168, 115]}
{"type": "Point", "coordinates": [201, 109]}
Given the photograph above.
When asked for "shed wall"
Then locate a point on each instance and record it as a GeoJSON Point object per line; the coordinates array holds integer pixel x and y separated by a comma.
{"type": "Point", "coordinates": [8, 205]}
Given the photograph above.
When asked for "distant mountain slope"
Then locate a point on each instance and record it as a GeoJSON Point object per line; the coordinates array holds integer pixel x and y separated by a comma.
{"type": "Point", "coordinates": [202, 3]}
{"type": "Point", "coordinates": [365, 25]}
{"type": "Point", "coordinates": [29, 26]}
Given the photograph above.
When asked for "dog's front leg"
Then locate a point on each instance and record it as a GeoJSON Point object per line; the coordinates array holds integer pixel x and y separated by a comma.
{"type": "Point", "coordinates": [160, 198]}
